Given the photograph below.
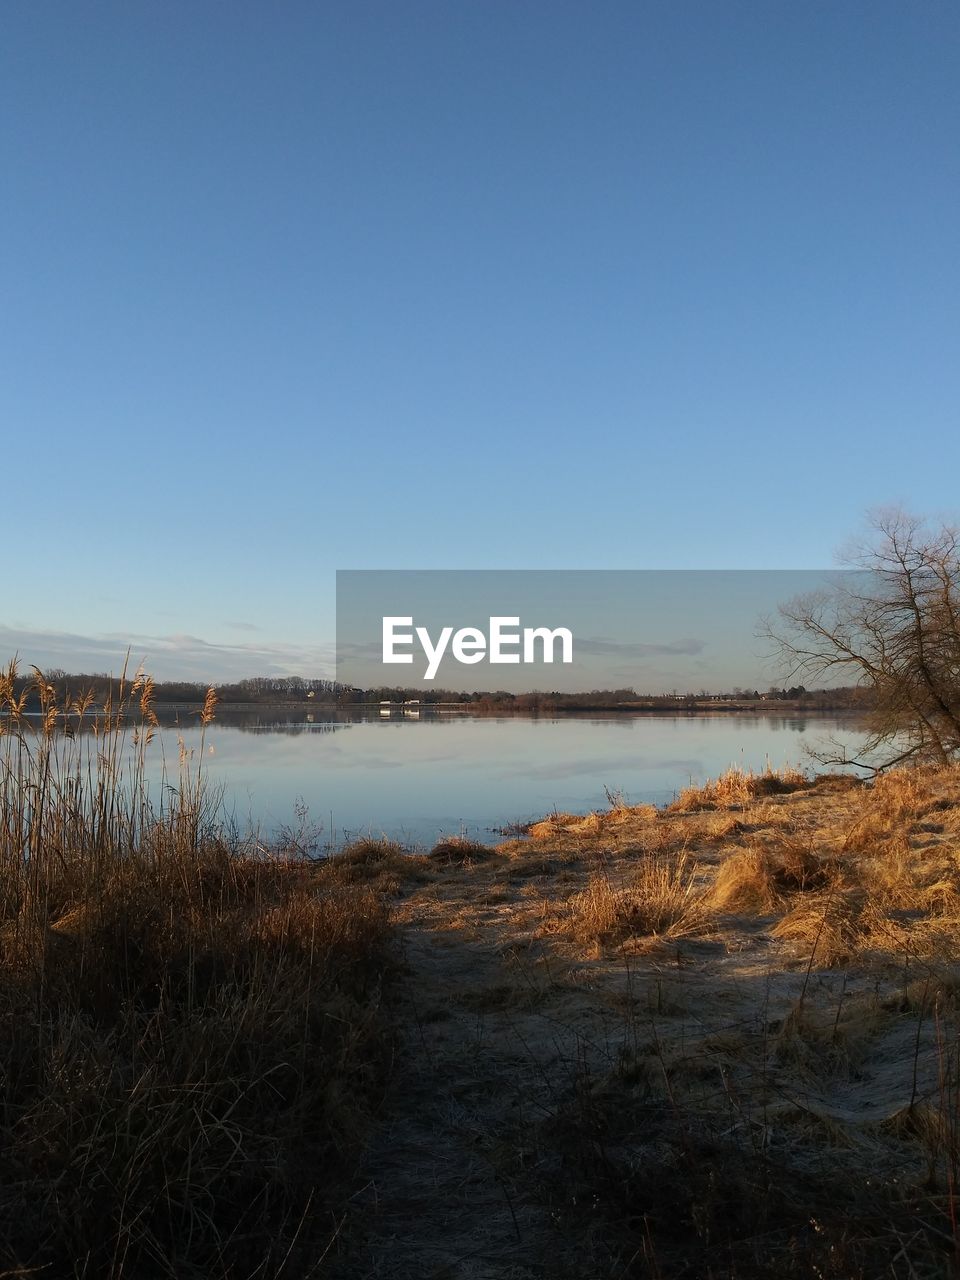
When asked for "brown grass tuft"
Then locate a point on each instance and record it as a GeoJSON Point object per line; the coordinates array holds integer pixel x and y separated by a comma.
{"type": "Point", "coordinates": [661, 899]}
{"type": "Point", "coordinates": [738, 787]}
{"type": "Point", "coordinates": [762, 877]}
{"type": "Point", "coordinates": [458, 851]}
{"type": "Point", "coordinates": [552, 826]}
{"type": "Point", "coordinates": [829, 928]}
{"type": "Point", "coordinates": [745, 882]}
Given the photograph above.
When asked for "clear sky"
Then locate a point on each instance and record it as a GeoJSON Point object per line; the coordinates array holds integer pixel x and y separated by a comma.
{"type": "Point", "coordinates": [295, 287]}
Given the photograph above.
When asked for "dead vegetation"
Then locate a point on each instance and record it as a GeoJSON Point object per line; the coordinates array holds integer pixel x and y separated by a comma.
{"type": "Point", "coordinates": [738, 1019]}
{"type": "Point", "coordinates": [191, 1038]}
{"type": "Point", "coordinates": [846, 867]}
{"type": "Point", "coordinates": [459, 851]}
{"type": "Point", "coordinates": [738, 787]}
{"type": "Point", "coordinates": [381, 863]}
{"type": "Point", "coordinates": [658, 899]}
{"type": "Point", "coordinates": [719, 1039]}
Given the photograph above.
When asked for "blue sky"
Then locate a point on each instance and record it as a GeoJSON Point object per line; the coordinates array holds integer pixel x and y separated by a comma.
{"type": "Point", "coordinates": [292, 288]}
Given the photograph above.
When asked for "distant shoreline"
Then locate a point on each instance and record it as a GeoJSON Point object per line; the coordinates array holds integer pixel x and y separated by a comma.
{"type": "Point", "coordinates": [684, 707]}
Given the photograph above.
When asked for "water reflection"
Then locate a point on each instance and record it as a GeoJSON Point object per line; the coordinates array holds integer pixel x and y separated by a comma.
{"type": "Point", "coordinates": [306, 726]}
{"type": "Point", "coordinates": [416, 778]}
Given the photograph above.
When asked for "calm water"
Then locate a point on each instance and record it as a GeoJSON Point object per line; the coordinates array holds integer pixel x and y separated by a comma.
{"type": "Point", "coordinates": [417, 779]}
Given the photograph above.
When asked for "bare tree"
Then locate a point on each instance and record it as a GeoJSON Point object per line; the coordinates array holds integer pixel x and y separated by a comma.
{"type": "Point", "coordinates": [892, 626]}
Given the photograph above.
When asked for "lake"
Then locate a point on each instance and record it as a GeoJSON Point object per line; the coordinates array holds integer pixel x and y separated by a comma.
{"type": "Point", "coordinates": [415, 779]}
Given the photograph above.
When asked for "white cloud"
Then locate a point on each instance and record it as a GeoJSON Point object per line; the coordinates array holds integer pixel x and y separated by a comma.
{"type": "Point", "coordinates": [166, 657]}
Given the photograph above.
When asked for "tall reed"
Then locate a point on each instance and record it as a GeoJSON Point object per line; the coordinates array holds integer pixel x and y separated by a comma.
{"type": "Point", "coordinates": [188, 1035]}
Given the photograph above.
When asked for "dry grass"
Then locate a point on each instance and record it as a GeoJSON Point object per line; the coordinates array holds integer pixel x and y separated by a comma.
{"type": "Point", "coordinates": [459, 851]}
{"type": "Point", "coordinates": [189, 1037]}
{"type": "Point", "coordinates": [746, 881]}
{"type": "Point", "coordinates": [895, 807]}
{"type": "Point", "coordinates": [617, 821]}
{"type": "Point", "coordinates": [738, 787]}
{"type": "Point", "coordinates": [826, 1043]}
{"type": "Point", "coordinates": [381, 863]}
{"type": "Point", "coordinates": [553, 825]}
{"type": "Point", "coordinates": [661, 899]}
{"type": "Point", "coordinates": [829, 928]}
{"type": "Point", "coordinates": [851, 868]}
{"type": "Point", "coordinates": [801, 1117]}
{"type": "Point", "coordinates": [762, 877]}
{"type": "Point", "coordinates": [645, 1186]}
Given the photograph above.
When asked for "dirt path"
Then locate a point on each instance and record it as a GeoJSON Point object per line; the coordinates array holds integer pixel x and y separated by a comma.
{"type": "Point", "coordinates": [498, 1033]}
{"type": "Point", "coordinates": [496, 1038]}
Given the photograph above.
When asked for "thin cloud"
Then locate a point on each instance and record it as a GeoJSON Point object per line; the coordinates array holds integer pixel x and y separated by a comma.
{"type": "Point", "coordinates": [166, 657]}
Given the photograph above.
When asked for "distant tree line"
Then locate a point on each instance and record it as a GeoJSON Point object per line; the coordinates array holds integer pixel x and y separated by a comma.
{"type": "Point", "coordinates": [295, 690]}
{"type": "Point", "coordinates": [257, 689]}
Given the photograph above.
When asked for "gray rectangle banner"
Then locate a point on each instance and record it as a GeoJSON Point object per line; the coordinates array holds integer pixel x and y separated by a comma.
{"type": "Point", "coordinates": [651, 631]}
